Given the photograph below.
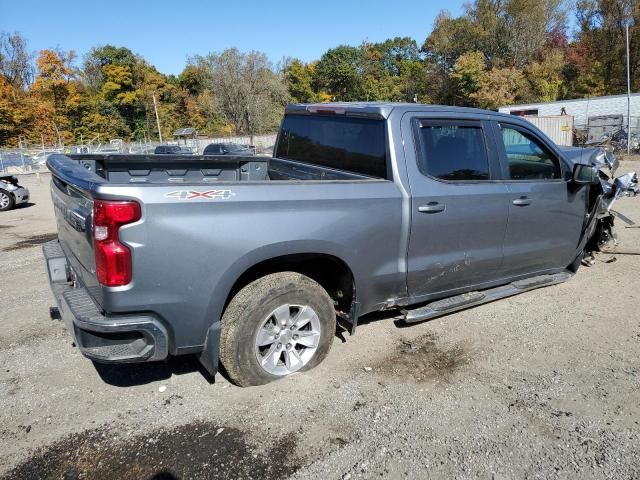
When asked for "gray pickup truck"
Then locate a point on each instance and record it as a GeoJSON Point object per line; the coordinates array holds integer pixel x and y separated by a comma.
{"type": "Point", "coordinates": [363, 207]}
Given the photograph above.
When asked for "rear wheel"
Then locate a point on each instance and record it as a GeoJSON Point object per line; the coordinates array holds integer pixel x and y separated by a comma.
{"type": "Point", "coordinates": [6, 200]}
{"type": "Point", "coordinates": [277, 325]}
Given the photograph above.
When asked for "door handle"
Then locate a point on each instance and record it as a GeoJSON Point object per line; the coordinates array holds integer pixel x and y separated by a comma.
{"type": "Point", "coordinates": [432, 207]}
{"type": "Point", "coordinates": [522, 201]}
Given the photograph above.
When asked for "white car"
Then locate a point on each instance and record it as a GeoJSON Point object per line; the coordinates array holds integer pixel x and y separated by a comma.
{"type": "Point", "coordinates": [11, 193]}
{"type": "Point", "coordinates": [40, 158]}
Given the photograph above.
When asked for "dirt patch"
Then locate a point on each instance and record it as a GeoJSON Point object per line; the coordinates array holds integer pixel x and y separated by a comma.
{"type": "Point", "coordinates": [29, 336]}
{"type": "Point", "coordinates": [32, 241]}
{"type": "Point", "coordinates": [425, 359]}
{"type": "Point", "coordinates": [12, 385]}
{"type": "Point", "coordinates": [195, 451]}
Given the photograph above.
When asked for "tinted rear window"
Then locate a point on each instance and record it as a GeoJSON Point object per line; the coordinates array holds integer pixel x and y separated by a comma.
{"type": "Point", "coordinates": [352, 144]}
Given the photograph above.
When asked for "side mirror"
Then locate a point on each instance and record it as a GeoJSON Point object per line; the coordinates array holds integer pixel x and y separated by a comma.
{"type": "Point", "coordinates": [585, 174]}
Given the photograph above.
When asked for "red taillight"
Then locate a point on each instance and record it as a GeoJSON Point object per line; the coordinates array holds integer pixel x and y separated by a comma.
{"type": "Point", "coordinates": [113, 259]}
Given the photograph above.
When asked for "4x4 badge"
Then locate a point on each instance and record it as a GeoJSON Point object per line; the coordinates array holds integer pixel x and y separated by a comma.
{"type": "Point", "coordinates": [195, 194]}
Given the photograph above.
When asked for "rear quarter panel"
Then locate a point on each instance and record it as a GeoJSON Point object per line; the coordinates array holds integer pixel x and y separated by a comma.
{"type": "Point", "coordinates": [187, 254]}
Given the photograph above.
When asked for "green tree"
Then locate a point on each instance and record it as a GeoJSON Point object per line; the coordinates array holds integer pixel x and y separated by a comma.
{"type": "Point", "coordinates": [339, 72]}
{"type": "Point", "coordinates": [299, 77]}
{"type": "Point", "coordinates": [378, 83]}
{"type": "Point", "coordinates": [99, 57]}
{"type": "Point", "coordinates": [602, 32]}
{"type": "Point", "coordinates": [414, 81]}
{"type": "Point", "coordinates": [498, 87]}
{"type": "Point", "coordinates": [396, 52]}
{"type": "Point", "coordinates": [512, 32]}
{"type": "Point", "coordinates": [468, 72]}
{"type": "Point", "coordinates": [110, 74]}
{"type": "Point", "coordinates": [392, 70]}
{"type": "Point", "coordinates": [450, 38]}
{"type": "Point", "coordinates": [544, 79]}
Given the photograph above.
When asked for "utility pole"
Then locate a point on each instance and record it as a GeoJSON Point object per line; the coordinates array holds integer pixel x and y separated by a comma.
{"type": "Point", "coordinates": [628, 94]}
{"type": "Point", "coordinates": [155, 107]}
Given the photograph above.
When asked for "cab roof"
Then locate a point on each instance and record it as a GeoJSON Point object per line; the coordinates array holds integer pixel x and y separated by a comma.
{"type": "Point", "coordinates": [384, 109]}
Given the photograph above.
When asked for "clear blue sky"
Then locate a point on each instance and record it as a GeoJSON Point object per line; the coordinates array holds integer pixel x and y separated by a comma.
{"type": "Point", "coordinates": [165, 33]}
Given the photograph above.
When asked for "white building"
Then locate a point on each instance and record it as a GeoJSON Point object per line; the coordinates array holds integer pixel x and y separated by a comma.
{"type": "Point", "coordinates": [583, 109]}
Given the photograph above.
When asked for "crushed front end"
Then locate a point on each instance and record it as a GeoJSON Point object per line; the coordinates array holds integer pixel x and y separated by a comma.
{"type": "Point", "coordinates": [602, 197]}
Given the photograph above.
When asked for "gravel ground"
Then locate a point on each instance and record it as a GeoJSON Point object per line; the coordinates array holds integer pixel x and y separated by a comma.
{"type": "Point", "coordinates": [541, 385]}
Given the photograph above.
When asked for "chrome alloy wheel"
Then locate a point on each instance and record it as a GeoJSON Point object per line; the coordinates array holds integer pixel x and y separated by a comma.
{"type": "Point", "coordinates": [4, 200]}
{"type": "Point", "coordinates": [287, 339]}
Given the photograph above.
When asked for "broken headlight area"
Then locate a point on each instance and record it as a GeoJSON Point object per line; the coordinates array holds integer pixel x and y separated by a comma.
{"type": "Point", "coordinates": [602, 197]}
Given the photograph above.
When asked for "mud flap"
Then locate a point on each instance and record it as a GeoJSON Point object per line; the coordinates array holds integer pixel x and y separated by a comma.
{"type": "Point", "coordinates": [210, 354]}
{"type": "Point", "coordinates": [353, 317]}
{"type": "Point", "coordinates": [349, 321]}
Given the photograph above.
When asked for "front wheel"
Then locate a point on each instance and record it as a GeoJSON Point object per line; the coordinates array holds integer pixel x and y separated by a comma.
{"type": "Point", "coordinates": [6, 200]}
{"type": "Point", "coordinates": [277, 325]}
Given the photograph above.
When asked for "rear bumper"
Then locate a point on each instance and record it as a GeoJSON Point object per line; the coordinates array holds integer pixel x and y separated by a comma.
{"type": "Point", "coordinates": [104, 338]}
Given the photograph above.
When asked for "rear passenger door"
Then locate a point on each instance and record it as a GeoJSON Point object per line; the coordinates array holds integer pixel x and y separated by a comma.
{"type": "Point", "coordinates": [459, 213]}
{"type": "Point", "coordinates": [546, 212]}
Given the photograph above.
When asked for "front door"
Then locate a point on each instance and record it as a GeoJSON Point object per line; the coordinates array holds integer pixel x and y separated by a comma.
{"type": "Point", "coordinates": [459, 214]}
{"type": "Point", "coordinates": [546, 210]}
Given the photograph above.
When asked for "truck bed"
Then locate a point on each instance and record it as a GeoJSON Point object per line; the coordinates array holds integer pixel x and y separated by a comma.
{"type": "Point", "coordinates": [199, 169]}
{"type": "Point", "coordinates": [200, 214]}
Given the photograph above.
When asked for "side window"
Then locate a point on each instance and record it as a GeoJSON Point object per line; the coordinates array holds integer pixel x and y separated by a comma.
{"type": "Point", "coordinates": [453, 151]}
{"type": "Point", "coordinates": [528, 159]}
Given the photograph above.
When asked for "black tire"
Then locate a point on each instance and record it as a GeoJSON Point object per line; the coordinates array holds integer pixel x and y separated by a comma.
{"type": "Point", "coordinates": [247, 311]}
{"type": "Point", "coordinates": [11, 203]}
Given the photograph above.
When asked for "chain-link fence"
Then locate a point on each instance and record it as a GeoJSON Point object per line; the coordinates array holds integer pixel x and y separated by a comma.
{"type": "Point", "coordinates": [18, 161]}
{"type": "Point", "coordinates": [33, 159]}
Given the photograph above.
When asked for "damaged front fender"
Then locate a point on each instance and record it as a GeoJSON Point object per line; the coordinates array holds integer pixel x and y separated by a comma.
{"type": "Point", "coordinates": [623, 186]}
{"type": "Point", "coordinates": [598, 230]}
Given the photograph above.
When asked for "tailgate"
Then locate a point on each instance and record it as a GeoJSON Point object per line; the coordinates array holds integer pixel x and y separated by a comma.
{"type": "Point", "coordinates": [74, 219]}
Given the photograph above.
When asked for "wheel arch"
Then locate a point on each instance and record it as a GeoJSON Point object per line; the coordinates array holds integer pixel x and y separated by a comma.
{"type": "Point", "coordinates": [320, 261]}
{"type": "Point", "coordinates": [330, 271]}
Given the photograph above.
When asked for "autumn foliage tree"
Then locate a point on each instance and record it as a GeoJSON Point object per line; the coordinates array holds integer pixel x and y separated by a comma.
{"type": "Point", "coordinates": [496, 52]}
